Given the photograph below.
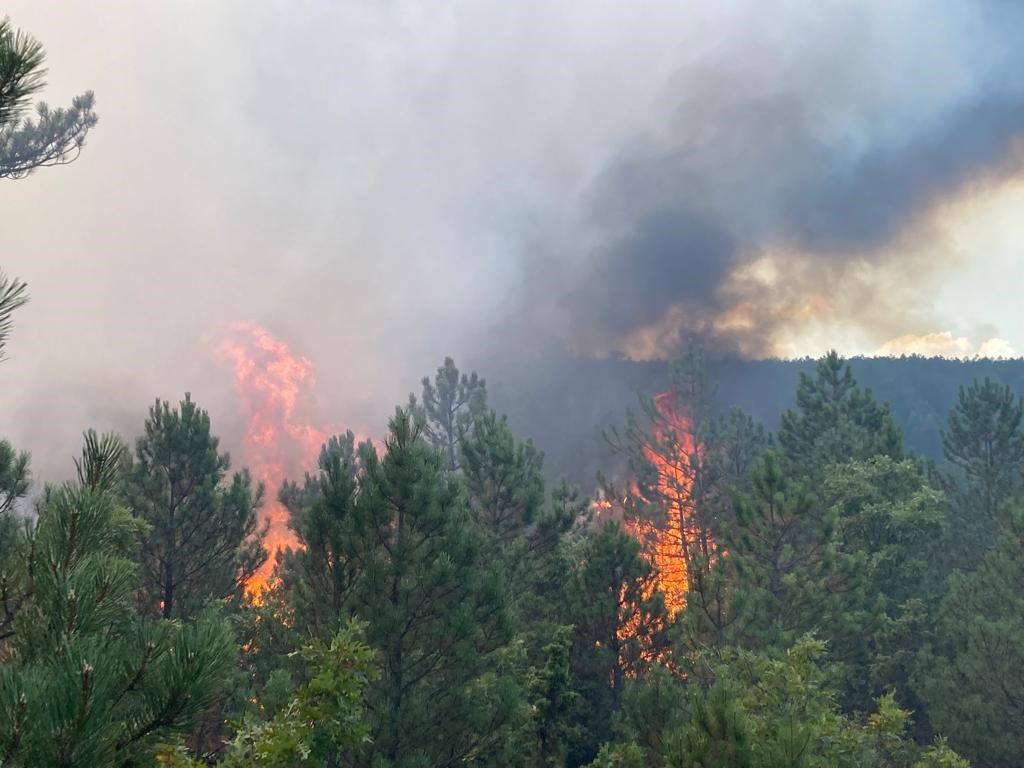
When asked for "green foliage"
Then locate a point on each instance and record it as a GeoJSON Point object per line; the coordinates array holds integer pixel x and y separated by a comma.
{"type": "Point", "coordinates": [15, 477]}
{"type": "Point", "coordinates": [324, 718]}
{"type": "Point", "coordinates": [892, 544]}
{"type": "Point", "coordinates": [21, 71]}
{"type": "Point", "coordinates": [56, 136]}
{"type": "Point", "coordinates": [317, 723]}
{"type": "Point", "coordinates": [821, 627]}
{"type": "Point", "coordinates": [553, 701]}
{"type": "Point", "coordinates": [435, 614]}
{"type": "Point", "coordinates": [395, 545]}
{"type": "Point", "coordinates": [781, 548]}
{"type": "Point", "coordinates": [984, 446]}
{"type": "Point", "coordinates": [735, 442]}
{"type": "Point", "coordinates": [85, 680]}
{"type": "Point", "coordinates": [654, 705]}
{"type": "Point", "coordinates": [503, 479]}
{"type": "Point", "coordinates": [939, 755]}
{"type": "Point", "coordinates": [102, 461]}
{"type": "Point", "coordinates": [780, 711]}
{"type": "Point", "coordinates": [971, 676]}
{"type": "Point", "coordinates": [716, 735]}
{"type": "Point", "coordinates": [887, 512]}
{"type": "Point", "coordinates": [620, 756]}
{"type": "Point", "coordinates": [204, 541]}
{"type": "Point", "coordinates": [319, 574]}
{"type": "Point", "coordinates": [522, 531]}
{"type": "Point", "coordinates": [619, 621]}
{"type": "Point", "coordinates": [13, 295]}
{"type": "Point", "coordinates": [448, 409]}
{"type": "Point", "coordinates": [836, 421]}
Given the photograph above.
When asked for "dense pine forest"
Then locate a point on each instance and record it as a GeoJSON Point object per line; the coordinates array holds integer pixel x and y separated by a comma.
{"type": "Point", "coordinates": [816, 595]}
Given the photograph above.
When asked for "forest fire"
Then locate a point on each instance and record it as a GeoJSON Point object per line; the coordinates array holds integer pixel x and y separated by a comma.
{"type": "Point", "coordinates": [668, 540]}
{"type": "Point", "coordinates": [270, 381]}
{"type": "Point", "coordinates": [672, 454]}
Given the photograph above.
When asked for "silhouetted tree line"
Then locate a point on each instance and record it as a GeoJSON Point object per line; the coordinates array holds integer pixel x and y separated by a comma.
{"type": "Point", "coordinates": [564, 402]}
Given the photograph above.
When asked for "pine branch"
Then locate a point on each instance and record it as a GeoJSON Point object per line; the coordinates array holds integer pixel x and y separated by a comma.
{"type": "Point", "coordinates": [21, 71]}
{"type": "Point", "coordinates": [13, 294]}
{"type": "Point", "coordinates": [56, 137]}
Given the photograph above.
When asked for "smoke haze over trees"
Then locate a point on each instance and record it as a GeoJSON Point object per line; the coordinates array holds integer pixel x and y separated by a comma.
{"type": "Point", "coordinates": [544, 174]}
{"type": "Point", "coordinates": [652, 531]}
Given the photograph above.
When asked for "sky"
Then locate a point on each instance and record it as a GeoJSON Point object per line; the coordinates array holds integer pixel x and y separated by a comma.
{"type": "Point", "coordinates": [381, 183]}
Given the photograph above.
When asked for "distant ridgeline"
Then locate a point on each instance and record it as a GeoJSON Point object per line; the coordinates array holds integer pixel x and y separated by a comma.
{"type": "Point", "coordinates": [564, 403]}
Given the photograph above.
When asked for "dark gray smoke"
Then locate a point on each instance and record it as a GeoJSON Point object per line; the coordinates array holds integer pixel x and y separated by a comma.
{"type": "Point", "coordinates": [747, 160]}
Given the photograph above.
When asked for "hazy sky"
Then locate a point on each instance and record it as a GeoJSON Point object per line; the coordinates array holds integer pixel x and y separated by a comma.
{"type": "Point", "coordinates": [383, 183]}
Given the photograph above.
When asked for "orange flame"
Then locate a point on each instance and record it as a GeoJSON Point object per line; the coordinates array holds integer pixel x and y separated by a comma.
{"type": "Point", "coordinates": [666, 544]}
{"type": "Point", "coordinates": [270, 381]}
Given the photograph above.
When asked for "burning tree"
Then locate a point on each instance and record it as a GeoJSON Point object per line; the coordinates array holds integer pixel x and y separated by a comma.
{"type": "Point", "coordinates": [204, 540]}
{"type": "Point", "coordinates": [673, 505]}
{"type": "Point", "coordinates": [270, 381]}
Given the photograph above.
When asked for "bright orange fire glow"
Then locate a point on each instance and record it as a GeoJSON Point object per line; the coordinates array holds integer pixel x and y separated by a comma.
{"type": "Point", "coordinates": [271, 384]}
{"type": "Point", "coordinates": [668, 544]}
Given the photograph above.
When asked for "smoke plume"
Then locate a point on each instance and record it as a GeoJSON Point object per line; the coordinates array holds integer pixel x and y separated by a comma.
{"type": "Point", "coordinates": [380, 184]}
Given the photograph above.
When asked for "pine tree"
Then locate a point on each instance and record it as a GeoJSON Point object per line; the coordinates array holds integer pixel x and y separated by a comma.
{"type": "Point", "coordinates": [554, 701]}
{"type": "Point", "coordinates": [736, 442]}
{"type": "Point", "coordinates": [780, 546]}
{"type": "Point", "coordinates": [318, 575]}
{"type": "Point", "coordinates": [13, 295]}
{"type": "Point", "coordinates": [716, 736]}
{"type": "Point", "coordinates": [984, 446]}
{"type": "Point", "coordinates": [14, 476]}
{"type": "Point", "coordinates": [391, 541]}
{"type": "Point", "coordinates": [971, 675]}
{"type": "Point", "coordinates": [620, 627]}
{"type": "Point", "coordinates": [503, 478]}
{"type": "Point", "coordinates": [539, 592]}
{"type": "Point", "coordinates": [203, 541]}
{"type": "Point", "coordinates": [892, 541]}
{"type": "Point", "coordinates": [87, 681]}
{"type": "Point", "coordinates": [56, 136]}
{"type": "Point", "coordinates": [522, 535]}
{"type": "Point", "coordinates": [449, 406]}
{"type": "Point", "coordinates": [436, 615]}
{"type": "Point", "coordinates": [835, 421]}
{"type": "Point", "coordinates": [654, 705]}
{"type": "Point", "coordinates": [679, 488]}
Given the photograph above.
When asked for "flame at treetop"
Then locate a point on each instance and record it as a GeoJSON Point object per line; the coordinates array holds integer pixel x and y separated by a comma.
{"type": "Point", "coordinates": [270, 382]}
{"type": "Point", "coordinates": [672, 456]}
{"type": "Point", "coordinates": [668, 543]}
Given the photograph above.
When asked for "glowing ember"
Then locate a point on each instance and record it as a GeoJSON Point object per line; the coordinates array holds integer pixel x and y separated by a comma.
{"type": "Point", "coordinates": [270, 382]}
